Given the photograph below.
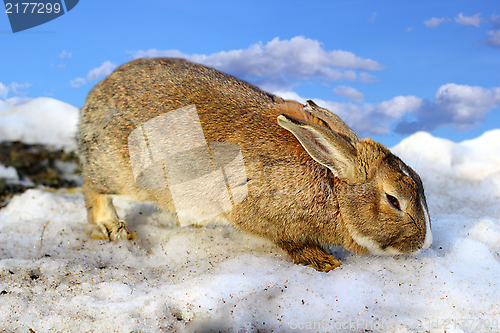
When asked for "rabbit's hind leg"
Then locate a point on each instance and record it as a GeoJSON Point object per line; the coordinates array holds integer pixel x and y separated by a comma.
{"type": "Point", "coordinates": [102, 217]}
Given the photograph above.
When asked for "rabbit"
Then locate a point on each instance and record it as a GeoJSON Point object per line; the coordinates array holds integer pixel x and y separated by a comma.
{"type": "Point", "coordinates": [297, 174]}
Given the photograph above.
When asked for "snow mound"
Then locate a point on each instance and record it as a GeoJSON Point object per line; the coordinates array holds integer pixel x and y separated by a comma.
{"type": "Point", "coordinates": [42, 120]}
{"type": "Point", "coordinates": [3, 106]}
{"type": "Point", "coordinates": [472, 159]}
{"type": "Point", "coordinates": [463, 178]}
{"type": "Point", "coordinates": [8, 173]}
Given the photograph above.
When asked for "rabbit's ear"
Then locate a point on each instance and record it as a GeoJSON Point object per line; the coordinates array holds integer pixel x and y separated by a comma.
{"type": "Point", "coordinates": [331, 120]}
{"type": "Point", "coordinates": [327, 148]}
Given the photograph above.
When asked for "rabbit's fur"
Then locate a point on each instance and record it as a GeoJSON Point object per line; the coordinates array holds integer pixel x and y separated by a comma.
{"type": "Point", "coordinates": [311, 181]}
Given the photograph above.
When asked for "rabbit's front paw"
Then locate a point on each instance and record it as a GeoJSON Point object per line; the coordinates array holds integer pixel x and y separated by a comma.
{"type": "Point", "coordinates": [324, 263]}
{"type": "Point", "coordinates": [312, 256]}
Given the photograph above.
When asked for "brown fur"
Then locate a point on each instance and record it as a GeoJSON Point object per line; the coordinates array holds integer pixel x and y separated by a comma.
{"type": "Point", "coordinates": [298, 203]}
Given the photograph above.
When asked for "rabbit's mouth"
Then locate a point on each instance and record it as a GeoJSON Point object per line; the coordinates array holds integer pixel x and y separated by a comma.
{"type": "Point", "coordinates": [428, 233]}
{"type": "Point", "coordinates": [407, 247]}
{"type": "Point", "coordinates": [372, 246]}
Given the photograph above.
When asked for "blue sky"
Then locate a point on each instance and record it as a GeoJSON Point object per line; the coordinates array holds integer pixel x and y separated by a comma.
{"type": "Point", "coordinates": [388, 68]}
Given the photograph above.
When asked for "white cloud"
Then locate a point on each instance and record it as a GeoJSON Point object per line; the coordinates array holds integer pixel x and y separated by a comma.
{"type": "Point", "coordinates": [4, 90]}
{"type": "Point", "coordinates": [16, 88]}
{"type": "Point", "coordinates": [370, 119]}
{"type": "Point", "coordinates": [474, 20]}
{"type": "Point", "coordinates": [459, 106]}
{"type": "Point", "coordinates": [350, 93]}
{"type": "Point", "coordinates": [494, 34]}
{"type": "Point", "coordinates": [496, 21]}
{"type": "Point", "coordinates": [372, 18]}
{"type": "Point", "coordinates": [78, 82]}
{"type": "Point", "coordinates": [65, 54]}
{"type": "Point", "coordinates": [154, 53]}
{"type": "Point", "coordinates": [367, 78]}
{"type": "Point", "coordinates": [361, 118]}
{"type": "Point", "coordinates": [435, 22]}
{"type": "Point", "coordinates": [398, 106]}
{"type": "Point", "coordinates": [105, 69]}
{"type": "Point", "coordinates": [290, 95]}
{"type": "Point", "coordinates": [366, 118]}
{"type": "Point", "coordinates": [279, 61]}
{"type": "Point", "coordinates": [465, 105]}
{"type": "Point", "coordinates": [495, 38]}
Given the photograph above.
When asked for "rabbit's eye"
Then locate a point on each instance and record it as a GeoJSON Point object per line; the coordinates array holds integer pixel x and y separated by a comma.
{"type": "Point", "coordinates": [393, 201]}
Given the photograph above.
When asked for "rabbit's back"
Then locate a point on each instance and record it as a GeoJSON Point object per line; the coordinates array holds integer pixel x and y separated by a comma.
{"type": "Point", "coordinates": [229, 110]}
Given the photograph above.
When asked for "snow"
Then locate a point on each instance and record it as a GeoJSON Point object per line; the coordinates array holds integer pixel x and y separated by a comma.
{"type": "Point", "coordinates": [3, 106]}
{"type": "Point", "coordinates": [41, 120]}
{"type": "Point", "coordinates": [8, 173]}
{"type": "Point", "coordinates": [187, 279]}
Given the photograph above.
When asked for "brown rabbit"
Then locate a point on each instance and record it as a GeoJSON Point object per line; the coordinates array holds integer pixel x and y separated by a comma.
{"type": "Point", "coordinates": [202, 143]}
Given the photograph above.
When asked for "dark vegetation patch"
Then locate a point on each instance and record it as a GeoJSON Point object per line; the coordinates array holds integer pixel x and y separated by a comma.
{"type": "Point", "coordinates": [36, 165]}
